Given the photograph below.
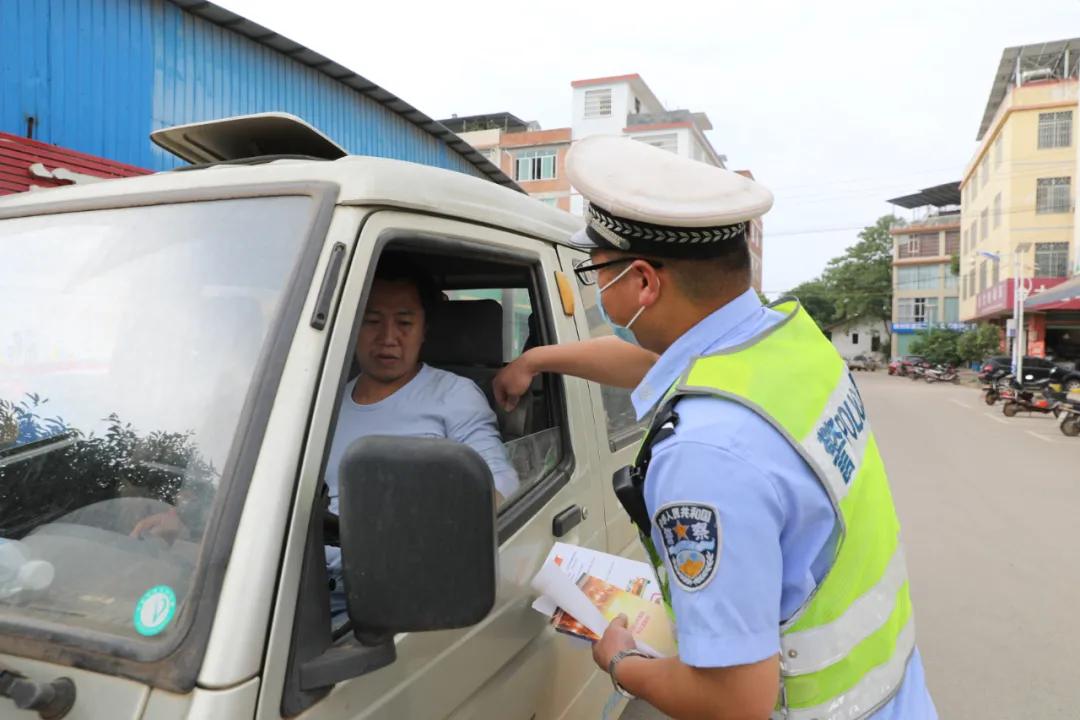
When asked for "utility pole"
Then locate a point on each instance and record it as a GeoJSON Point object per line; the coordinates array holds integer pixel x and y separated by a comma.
{"type": "Point", "coordinates": [1020, 293]}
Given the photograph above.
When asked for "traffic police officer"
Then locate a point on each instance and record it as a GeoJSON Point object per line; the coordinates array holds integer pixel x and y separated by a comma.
{"type": "Point", "coordinates": [759, 491]}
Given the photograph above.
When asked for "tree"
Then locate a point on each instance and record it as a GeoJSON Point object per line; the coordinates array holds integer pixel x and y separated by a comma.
{"type": "Point", "coordinates": [978, 344]}
{"type": "Point", "coordinates": [857, 284]}
{"type": "Point", "coordinates": [937, 345]}
{"type": "Point", "coordinates": [860, 280]}
{"type": "Point", "coordinates": [818, 300]}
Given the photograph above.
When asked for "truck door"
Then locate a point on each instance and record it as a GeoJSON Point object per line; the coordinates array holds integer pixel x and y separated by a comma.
{"type": "Point", "coordinates": [500, 295]}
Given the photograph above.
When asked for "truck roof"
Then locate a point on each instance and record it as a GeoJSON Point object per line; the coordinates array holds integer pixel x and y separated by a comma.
{"type": "Point", "coordinates": [364, 181]}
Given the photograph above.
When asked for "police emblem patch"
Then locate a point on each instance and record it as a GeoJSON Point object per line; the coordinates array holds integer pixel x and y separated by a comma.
{"type": "Point", "coordinates": [691, 535]}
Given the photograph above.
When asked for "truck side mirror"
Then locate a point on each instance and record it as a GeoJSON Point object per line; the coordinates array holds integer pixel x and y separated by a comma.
{"type": "Point", "coordinates": [418, 539]}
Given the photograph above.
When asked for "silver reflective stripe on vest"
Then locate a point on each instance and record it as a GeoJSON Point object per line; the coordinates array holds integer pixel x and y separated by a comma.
{"type": "Point", "coordinates": [838, 441]}
{"type": "Point", "coordinates": [866, 697]}
{"type": "Point", "coordinates": [817, 648]}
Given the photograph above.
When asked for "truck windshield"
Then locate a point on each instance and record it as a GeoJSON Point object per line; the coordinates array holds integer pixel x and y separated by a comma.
{"type": "Point", "coordinates": [128, 345]}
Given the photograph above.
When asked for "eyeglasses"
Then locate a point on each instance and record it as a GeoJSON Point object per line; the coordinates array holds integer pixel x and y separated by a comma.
{"type": "Point", "coordinates": [587, 273]}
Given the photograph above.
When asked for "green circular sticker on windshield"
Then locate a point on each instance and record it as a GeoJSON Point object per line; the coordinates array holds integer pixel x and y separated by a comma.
{"type": "Point", "coordinates": [155, 610]}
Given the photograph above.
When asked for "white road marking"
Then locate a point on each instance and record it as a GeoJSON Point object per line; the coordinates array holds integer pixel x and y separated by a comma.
{"type": "Point", "coordinates": [995, 418]}
{"type": "Point", "coordinates": [954, 401]}
{"type": "Point", "coordinates": [1032, 433]}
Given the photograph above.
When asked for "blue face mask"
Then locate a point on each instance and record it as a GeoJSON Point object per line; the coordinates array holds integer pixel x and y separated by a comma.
{"type": "Point", "coordinates": [623, 332]}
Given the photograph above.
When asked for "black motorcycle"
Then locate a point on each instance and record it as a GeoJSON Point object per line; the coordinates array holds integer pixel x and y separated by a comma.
{"type": "Point", "coordinates": [1068, 406]}
{"type": "Point", "coordinates": [993, 383]}
{"type": "Point", "coordinates": [1033, 397]}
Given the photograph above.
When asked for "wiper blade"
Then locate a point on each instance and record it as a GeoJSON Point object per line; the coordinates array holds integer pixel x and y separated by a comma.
{"type": "Point", "coordinates": [52, 700]}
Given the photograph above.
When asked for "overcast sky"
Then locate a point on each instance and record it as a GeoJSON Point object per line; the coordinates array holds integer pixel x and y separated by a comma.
{"type": "Point", "coordinates": [835, 106]}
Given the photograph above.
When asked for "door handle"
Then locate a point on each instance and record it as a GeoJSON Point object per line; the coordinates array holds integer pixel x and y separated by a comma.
{"type": "Point", "coordinates": [567, 520]}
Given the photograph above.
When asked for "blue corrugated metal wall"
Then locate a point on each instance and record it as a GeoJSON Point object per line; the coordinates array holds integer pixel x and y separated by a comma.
{"type": "Point", "coordinates": [99, 75]}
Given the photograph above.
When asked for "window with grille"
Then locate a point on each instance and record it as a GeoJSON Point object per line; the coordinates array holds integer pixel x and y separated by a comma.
{"type": "Point", "coordinates": [973, 234]}
{"type": "Point", "coordinates": [997, 152]}
{"type": "Point", "coordinates": [1052, 195]}
{"type": "Point", "coordinates": [915, 246]}
{"type": "Point", "coordinates": [597, 104]}
{"type": "Point", "coordinates": [984, 224]}
{"type": "Point", "coordinates": [1051, 259]}
{"type": "Point", "coordinates": [535, 165]}
{"type": "Point", "coordinates": [669, 141]}
{"type": "Point", "coordinates": [952, 242]}
{"type": "Point", "coordinates": [995, 276]}
{"type": "Point", "coordinates": [971, 282]}
{"type": "Point", "coordinates": [982, 276]}
{"type": "Point", "coordinates": [984, 171]}
{"type": "Point", "coordinates": [1055, 129]}
{"type": "Point", "coordinates": [997, 210]}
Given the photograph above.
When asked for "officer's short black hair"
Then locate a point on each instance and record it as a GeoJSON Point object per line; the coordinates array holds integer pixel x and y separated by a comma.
{"type": "Point", "coordinates": [704, 278]}
{"type": "Point", "coordinates": [399, 267]}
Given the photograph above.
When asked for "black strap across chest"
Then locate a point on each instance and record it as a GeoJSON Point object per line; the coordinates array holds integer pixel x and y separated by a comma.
{"type": "Point", "coordinates": [629, 482]}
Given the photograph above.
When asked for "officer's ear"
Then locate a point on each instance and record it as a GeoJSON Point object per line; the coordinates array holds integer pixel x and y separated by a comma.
{"type": "Point", "coordinates": [649, 277]}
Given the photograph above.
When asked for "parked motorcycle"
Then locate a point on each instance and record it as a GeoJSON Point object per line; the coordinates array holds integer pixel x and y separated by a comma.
{"type": "Point", "coordinates": [1068, 405]}
{"type": "Point", "coordinates": [1032, 397]}
{"type": "Point", "coordinates": [917, 371]}
{"type": "Point", "coordinates": [941, 373]}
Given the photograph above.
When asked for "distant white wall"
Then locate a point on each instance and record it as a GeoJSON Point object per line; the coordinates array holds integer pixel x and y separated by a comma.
{"type": "Point", "coordinates": [855, 339]}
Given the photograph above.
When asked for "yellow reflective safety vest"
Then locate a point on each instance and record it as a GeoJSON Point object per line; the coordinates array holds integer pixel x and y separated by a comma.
{"type": "Point", "coordinates": [845, 651]}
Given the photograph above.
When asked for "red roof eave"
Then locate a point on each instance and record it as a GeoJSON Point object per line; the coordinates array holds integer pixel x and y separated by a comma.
{"type": "Point", "coordinates": [17, 154]}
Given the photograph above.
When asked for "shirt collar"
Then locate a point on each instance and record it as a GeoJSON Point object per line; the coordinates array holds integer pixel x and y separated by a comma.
{"type": "Point", "coordinates": [708, 333]}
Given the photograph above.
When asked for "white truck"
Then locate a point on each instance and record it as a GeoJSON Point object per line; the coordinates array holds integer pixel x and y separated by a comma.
{"type": "Point", "coordinates": [179, 343]}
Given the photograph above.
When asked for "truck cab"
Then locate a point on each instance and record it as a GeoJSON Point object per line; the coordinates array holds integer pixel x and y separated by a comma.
{"type": "Point", "coordinates": [178, 344]}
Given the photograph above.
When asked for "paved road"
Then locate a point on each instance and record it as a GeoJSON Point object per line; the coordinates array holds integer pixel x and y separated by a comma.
{"type": "Point", "coordinates": [989, 508]}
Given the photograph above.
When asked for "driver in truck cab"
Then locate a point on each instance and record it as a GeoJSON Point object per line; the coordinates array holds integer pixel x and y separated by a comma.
{"type": "Point", "coordinates": [394, 394]}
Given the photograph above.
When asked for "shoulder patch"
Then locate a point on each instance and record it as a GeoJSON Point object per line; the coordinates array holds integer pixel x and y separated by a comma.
{"type": "Point", "coordinates": [691, 536]}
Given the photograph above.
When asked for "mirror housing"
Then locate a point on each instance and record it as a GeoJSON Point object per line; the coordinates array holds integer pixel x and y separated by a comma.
{"type": "Point", "coordinates": [418, 543]}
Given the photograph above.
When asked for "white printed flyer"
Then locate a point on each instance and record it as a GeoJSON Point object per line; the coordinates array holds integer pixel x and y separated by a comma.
{"type": "Point", "coordinates": [583, 590]}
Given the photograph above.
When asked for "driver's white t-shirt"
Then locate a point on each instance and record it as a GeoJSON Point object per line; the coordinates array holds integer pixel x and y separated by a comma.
{"type": "Point", "coordinates": [436, 404]}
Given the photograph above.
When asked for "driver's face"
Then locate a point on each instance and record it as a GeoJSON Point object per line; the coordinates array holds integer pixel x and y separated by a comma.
{"type": "Point", "coordinates": [392, 331]}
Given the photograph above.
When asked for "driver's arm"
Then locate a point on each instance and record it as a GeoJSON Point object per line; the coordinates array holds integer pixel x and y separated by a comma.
{"type": "Point", "coordinates": [166, 525]}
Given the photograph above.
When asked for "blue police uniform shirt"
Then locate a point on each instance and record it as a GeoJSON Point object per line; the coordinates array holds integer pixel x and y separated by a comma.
{"type": "Point", "coordinates": [777, 530]}
{"type": "Point", "coordinates": [435, 403]}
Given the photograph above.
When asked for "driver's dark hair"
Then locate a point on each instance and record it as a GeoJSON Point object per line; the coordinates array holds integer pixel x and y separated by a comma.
{"type": "Point", "coordinates": [399, 267]}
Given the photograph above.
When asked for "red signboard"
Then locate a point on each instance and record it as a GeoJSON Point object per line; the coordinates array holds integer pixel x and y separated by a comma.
{"type": "Point", "coordinates": [999, 298]}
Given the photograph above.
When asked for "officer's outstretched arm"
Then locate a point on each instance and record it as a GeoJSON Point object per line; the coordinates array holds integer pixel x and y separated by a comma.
{"type": "Point", "coordinates": [606, 360]}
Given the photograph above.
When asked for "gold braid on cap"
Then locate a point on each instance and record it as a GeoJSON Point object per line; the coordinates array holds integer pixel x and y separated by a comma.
{"type": "Point", "coordinates": [620, 231]}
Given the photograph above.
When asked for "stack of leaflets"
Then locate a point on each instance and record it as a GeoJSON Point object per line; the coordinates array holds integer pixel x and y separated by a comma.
{"type": "Point", "coordinates": [583, 590]}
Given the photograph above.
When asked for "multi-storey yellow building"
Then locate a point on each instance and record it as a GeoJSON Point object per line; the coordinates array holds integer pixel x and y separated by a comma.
{"type": "Point", "coordinates": [1018, 195]}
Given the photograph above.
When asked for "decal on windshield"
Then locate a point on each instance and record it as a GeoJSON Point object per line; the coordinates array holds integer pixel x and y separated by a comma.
{"type": "Point", "coordinates": [155, 610]}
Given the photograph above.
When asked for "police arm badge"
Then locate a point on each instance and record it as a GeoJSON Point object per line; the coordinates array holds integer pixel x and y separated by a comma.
{"type": "Point", "coordinates": [691, 536]}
